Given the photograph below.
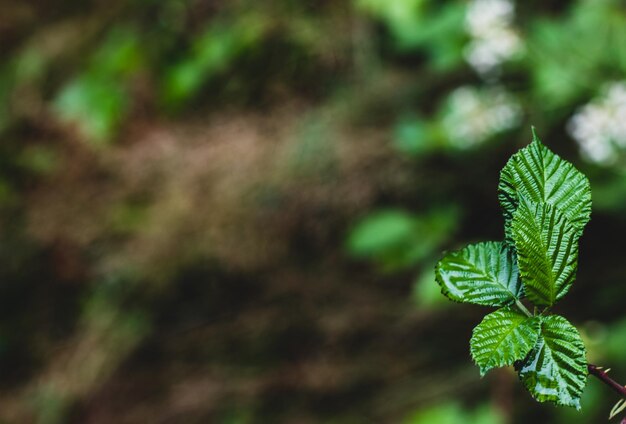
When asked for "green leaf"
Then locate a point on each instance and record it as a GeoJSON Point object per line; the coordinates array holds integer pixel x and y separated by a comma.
{"type": "Point", "coordinates": [537, 174]}
{"type": "Point", "coordinates": [503, 337]}
{"type": "Point", "coordinates": [556, 368]}
{"type": "Point", "coordinates": [547, 251]}
{"type": "Point", "coordinates": [482, 274]}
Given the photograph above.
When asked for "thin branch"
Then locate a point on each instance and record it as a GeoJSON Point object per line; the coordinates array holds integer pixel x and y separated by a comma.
{"type": "Point", "coordinates": [604, 377]}
{"type": "Point", "coordinates": [522, 308]}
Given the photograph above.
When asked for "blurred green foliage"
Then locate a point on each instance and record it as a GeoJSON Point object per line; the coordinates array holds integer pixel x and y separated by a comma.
{"type": "Point", "coordinates": [97, 101]}
{"type": "Point", "coordinates": [213, 52]}
{"type": "Point", "coordinates": [192, 193]}
{"type": "Point", "coordinates": [452, 413]}
{"type": "Point", "coordinates": [97, 105]}
{"type": "Point", "coordinates": [567, 58]}
{"type": "Point", "coordinates": [396, 239]}
{"type": "Point", "coordinates": [436, 29]}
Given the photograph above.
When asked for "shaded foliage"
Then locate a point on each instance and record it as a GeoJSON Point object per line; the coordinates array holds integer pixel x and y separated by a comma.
{"type": "Point", "coordinates": [214, 211]}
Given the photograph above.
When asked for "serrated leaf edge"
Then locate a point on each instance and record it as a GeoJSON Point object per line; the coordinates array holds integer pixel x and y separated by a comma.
{"type": "Point", "coordinates": [504, 198]}
{"type": "Point", "coordinates": [502, 246]}
{"type": "Point", "coordinates": [533, 321]}
{"type": "Point", "coordinates": [575, 399]}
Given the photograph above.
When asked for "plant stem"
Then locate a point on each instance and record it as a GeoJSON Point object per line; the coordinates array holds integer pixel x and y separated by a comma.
{"type": "Point", "coordinates": [522, 308]}
{"type": "Point", "coordinates": [604, 377]}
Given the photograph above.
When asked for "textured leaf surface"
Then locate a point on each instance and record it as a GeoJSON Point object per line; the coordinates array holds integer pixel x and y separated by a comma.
{"type": "Point", "coordinates": [482, 274]}
{"type": "Point", "coordinates": [547, 251]}
{"type": "Point", "coordinates": [503, 337]}
{"type": "Point", "coordinates": [537, 174]}
{"type": "Point", "coordinates": [556, 368]}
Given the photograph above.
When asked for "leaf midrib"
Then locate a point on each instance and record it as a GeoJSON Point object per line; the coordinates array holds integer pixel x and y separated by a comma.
{"type": "Point", "coordinates": [493, 278]}
{"type": "Point", "coordinates": [558, 368]}
{"type": "Point", "coordinates": [511, 330]}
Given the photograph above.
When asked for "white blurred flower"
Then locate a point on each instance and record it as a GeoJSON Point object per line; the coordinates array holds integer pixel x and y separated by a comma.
{"type": "Point", "coordinates": [599, 127]}
{"type": "Point", "coordinates": [494, 40]}
{"type": "Point", "coordinates": [474, 115]}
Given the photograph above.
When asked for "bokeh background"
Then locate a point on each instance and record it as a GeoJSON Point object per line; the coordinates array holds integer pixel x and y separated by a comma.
{"type": "Point", "coordinates": [229, 211]}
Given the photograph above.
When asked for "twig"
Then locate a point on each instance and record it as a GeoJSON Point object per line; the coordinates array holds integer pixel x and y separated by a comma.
{"type": "Point", "coordinates": [604, 377]}
{"type": "Point", "coordinates": [522, 308]}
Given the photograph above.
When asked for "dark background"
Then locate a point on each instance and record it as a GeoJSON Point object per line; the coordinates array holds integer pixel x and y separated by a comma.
{"type": "Point", "coordinates": [230, 211]}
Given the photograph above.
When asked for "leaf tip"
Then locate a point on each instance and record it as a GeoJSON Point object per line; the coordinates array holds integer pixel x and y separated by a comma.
{"type": "Point", "coordinates": [533, 129]}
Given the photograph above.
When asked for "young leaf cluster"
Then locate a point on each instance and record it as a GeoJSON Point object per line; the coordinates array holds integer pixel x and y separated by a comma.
{"type": "Point", "coordinates": [546, 204]}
